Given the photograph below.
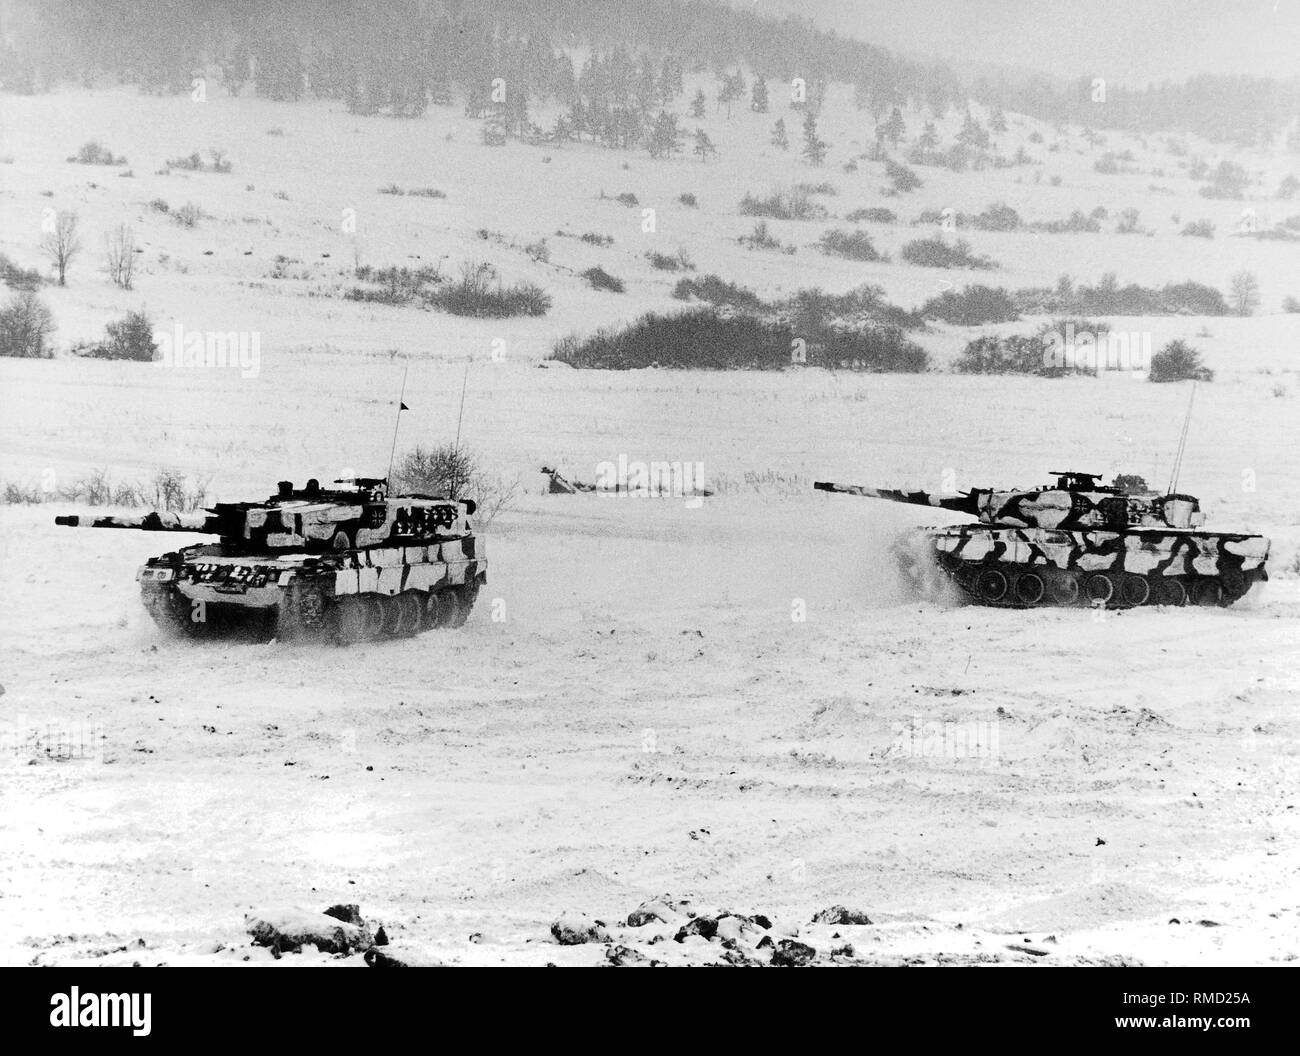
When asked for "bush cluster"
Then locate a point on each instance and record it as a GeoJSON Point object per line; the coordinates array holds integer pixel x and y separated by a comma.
{"type": "Point", "coordinates": [854, 245]}
{"type": "Point", "coordinates": [95, 153]}
{"type": "Point", "coordinates": [25, 326]}
{"type": "Point", "coordinates": [973, 306]}
{"type": "Point", "coordinates": [793, 204]}
{"type": "Point", "coordinates": [936, 253]}
{"type": "Point", "coordinates": [1178, 361]}
{"type": "Point", "coordinates": [129, 338]}
{"type": "Point", "coordinates": [478, 292]}
{"type": "Point", "coordinates": [600, 279]}
{"type": "Point", "coordinates": [706, 338]}
{"type": "Point", "coordinates": [1107, 297]}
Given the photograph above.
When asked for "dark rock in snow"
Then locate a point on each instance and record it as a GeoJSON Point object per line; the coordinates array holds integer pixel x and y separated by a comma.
{"type": "Point", "coordinates": [790, 953]}
{"type": "Point", "coordinates": [704, 927]}
{"type": "Point", "coordinates": [349, 912]}
{"type": "Point", "coordinates": [625, 957]}
{"type": "Point", "coordinates": [400, 957]}
{"type": "Point", "coordinates": [663, 909]}
{"type": "Point", "coordinates": [289, 930]}
{"type": "Point", "coordinates": [572, 929]}
{"type": "Point", "coordinates": [841, 915]}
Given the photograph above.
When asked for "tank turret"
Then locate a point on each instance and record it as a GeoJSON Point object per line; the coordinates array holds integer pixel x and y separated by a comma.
{"type": "Point", "coordinates": [360, 514]}
{"type": "Point", "coordinates": [1075, 501]}
{"type": "Point", "coordinates": [1079, 541]}
{"type": "Point", "coordinates": [349, 562]}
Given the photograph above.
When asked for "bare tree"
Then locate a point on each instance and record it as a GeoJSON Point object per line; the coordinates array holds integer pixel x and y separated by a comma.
{"type": "Point", "coordinates": [120, 255]}
{"type": "Point", "coordinates": [25, 323]}
{"type": "Point", "coordinates": [1245, 293]}
{"type": "Point", "coordinates": [62, 244]}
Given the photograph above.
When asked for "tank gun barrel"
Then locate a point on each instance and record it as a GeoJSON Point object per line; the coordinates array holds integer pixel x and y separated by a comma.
{"type": "Point", "coordinates": [153, 521]}
{"type": "Point", "coordinates": [968, 503]}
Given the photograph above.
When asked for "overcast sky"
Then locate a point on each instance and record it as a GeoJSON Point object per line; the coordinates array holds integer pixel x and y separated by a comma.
{"type": "Point", "coordinates": [1134, 41]}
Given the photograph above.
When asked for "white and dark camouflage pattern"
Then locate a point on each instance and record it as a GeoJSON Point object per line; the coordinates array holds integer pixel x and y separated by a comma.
{"type": "Point", "coordinates": [346, 564]}
{"type": "Point", "coordinates": [1080, 543]}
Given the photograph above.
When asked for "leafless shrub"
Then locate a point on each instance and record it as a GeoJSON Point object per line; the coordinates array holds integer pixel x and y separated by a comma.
{"type": "Point", "coordinates": [62, 244]}
{"type": "Point", "coordinates": [189, 163]}
{"type": "Point", "coordinates": [25, 323]}
{"type": "Point", "coordinates": [1245, 293]}
{"type": "Point", "coordinates": [120, 256]}
{"type": "Point", "coordinates": [454, 471]}
{"type": "Point", "coordinates": [16, 277]}
{"type": "Point", "coordinates": [188, 215]}
{"type": "Point", "coordinates": [21, 495]}
{"type": "Point", "coordinates": [480, 292]}
{"type": "Point", "coordinates": [94, 489]}
{"type": "Point", "coordinates": [170, 490]}
{"type": "Point", "coordinates": [95, 153]}
{"type": "Point", "coordinates": [769, 481]}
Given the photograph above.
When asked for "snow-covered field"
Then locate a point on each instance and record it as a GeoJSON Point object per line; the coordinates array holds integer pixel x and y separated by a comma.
{"type": "Point", "coordinates": [633, 709]}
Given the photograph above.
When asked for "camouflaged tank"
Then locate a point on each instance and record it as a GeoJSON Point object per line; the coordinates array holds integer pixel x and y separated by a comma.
{"type": "Point", "coordinates": [1080, 543]}
{"type": "Point", "coordinates": [345, 564]}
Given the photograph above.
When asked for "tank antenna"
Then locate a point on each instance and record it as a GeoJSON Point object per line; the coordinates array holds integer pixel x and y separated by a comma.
{"type": "Point", "coordinates": [464, 384]}
{"type": "Point", "coordinates": [401, 406]}
{"type": "Point", "coordinates": [460, 417]}
{"type": "Point", "coordinates": [1182, 443]}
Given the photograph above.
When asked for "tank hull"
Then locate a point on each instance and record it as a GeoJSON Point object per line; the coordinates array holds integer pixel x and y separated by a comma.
{"type": "Point", "coordinates": [1030, 567]}
{"type": "Point", "coordinates": [342, 596]}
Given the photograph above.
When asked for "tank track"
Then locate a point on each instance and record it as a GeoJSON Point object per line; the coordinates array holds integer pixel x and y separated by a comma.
{"type": "Point", "coordinates": [307, 615]}
{"type": "Point", "coordinates": [172, 612]}
{"type": "Point", "coordinates": [1017, 586]}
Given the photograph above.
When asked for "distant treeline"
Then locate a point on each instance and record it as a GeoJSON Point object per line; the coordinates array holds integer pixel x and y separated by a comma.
{"type": "Point", "coordinates": [397, 54]}
{"type": "Point", "coordinates": [1227, 108]}
{"type": "Point", "coordinates": [400, 56]}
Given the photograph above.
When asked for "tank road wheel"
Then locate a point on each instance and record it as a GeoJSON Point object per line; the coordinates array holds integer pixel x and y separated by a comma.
{"type": "Point", "coordinates": [465, 598]}
{"type": "Point", "coordinates": [1235, 585]}
{"type": "Point", "coordinates": [1207, 592]}
{"type": "Point", "coordinates": [172, 612]}
{"type": "Point", "coordinates": [410, 613]}
{"type": "Point", "coordinates": [390, 622]}
{"type": "Point", "coordinates": [1064, 588]}
{"type": "Point", "coordinates": [1030, 589]}
{"type": "Point", "coordinates": [311, 610]}
{"type": "Point", "coordinates": [350, 620]}
{"type": "Point", "coordinates": [991, 584]}
{"type": "Point", "coordinates": [1132, 590]}
{"type": "Point", "coordinates": [301, 615]}
{"type": "Point", "coordinates": [1166, 590]}
{"type": "Point", "coordinates": [439, 607]}
{"type": "Point", "coordinates": [358, 619]}
{"type": "Point", "coordinates": [1098, 587]}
